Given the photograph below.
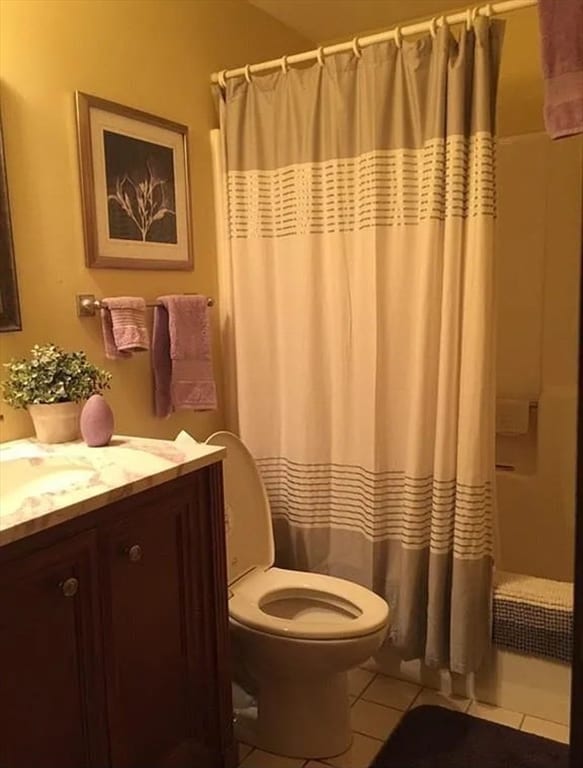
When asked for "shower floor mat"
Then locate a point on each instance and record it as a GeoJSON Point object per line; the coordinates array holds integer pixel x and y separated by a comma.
{"type": "Point", "coordinates": [435, 737]}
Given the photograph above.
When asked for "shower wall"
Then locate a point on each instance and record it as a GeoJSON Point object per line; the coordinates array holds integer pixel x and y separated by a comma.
{"type": "Point", "coordinates": [538, 262]}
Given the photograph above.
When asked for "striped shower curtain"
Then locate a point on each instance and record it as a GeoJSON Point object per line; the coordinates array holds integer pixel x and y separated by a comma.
{"type": "Point", "coordinates": [357, 292]}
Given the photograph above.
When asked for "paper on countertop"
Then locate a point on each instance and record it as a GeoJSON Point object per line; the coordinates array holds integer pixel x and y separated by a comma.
{"type": "Point", "coordinates": [186, 442]}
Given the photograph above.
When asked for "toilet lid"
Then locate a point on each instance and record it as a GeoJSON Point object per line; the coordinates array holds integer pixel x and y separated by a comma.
{"type": "Point", "coordinates": [249, 532]}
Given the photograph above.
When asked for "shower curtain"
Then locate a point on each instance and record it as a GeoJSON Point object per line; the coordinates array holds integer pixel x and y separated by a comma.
{"type": "Point", "coordinates": [357, 293]}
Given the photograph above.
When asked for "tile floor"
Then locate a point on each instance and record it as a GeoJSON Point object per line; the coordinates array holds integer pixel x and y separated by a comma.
{"type": "Point", "coordinates": [378, 703]}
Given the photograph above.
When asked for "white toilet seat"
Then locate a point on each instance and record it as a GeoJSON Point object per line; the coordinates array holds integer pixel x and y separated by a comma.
{"type": "Point", "coordinates": [334, 608]}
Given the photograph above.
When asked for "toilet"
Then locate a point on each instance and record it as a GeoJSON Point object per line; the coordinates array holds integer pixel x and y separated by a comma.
{"type": "Point", "coordinates": [295, 634]}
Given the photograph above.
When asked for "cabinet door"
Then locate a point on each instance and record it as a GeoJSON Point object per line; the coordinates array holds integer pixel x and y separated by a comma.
{"type": "Point", "coordinates": [151, 717]}
{"type": "Point", "coordinates": [51, 695]}
{"type": "Point", "coordinates": [212, 673]}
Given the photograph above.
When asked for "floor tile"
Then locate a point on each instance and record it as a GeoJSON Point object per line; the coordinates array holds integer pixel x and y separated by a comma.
{"type": "Point", "coordinates": [360, 755]}
{"type": "Point", "coordinates": [243, 750]}
{"type": "Point", "coordinates": [358, 679]}
{"type": "Point", "coordinates": [438, 699]}
{"type": "Point", "coordinates": [260, 759]}
{"type": "Point", "coordinates": [495, 714]}
{"type": "Point", "coordinates": [546, 728]}
{"type": "Point", "coordinates": [391, 692]}
{"type": "Point", "coordinates": [373, 719]}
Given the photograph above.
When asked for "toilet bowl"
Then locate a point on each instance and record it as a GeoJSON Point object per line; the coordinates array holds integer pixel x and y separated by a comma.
{"type": "Point", "coordinates": [297, 634]}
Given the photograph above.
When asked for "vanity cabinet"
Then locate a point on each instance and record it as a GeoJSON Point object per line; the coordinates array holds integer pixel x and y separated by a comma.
{"type": "Point", "coordinates": [146, 621]}
{"type": "Point", "coordinates": [114, 636]}
{"type": "Point", "coordinates": [51, 693]}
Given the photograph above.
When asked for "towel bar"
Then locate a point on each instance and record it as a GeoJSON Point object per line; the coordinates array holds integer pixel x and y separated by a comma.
{"type": "Point", "coordinates": [87, 304]}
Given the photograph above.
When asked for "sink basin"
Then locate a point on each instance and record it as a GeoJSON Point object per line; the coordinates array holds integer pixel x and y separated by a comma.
{"type": "Point", "coordinates": [33, 478]}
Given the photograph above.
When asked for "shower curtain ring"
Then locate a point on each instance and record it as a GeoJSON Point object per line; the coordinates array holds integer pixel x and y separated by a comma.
{"type": "Point", "coordinates": [222, 80]}
{"type": "Point", "coordinates": [433, 27]}
{"type": "Point", "coordinates": [475, 12]}
{"type": "Point", "coordinates": [398, 37]}
{"type": "Point", "coordinates": [248, 73]}
{"type": "Point", "coordinates": [488, 10]}
{"type": "Point", "coordinates": [284, 64]}
{"type": "Point", "coordinates": [356, 48]}
{"type": "Point", "coordinates": [320, 56]}
{"type": "Point", "coordinates": [469, 19]}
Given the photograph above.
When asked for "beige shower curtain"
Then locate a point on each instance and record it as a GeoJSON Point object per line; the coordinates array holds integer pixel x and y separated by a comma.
{"type": "Point", "coordinates": [358, 321]}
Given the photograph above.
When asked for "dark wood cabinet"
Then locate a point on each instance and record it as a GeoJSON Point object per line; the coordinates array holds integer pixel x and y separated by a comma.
{"type": "Point", "coordinates": [51, 678]}
{"type": "Point", "coordinates": [114, 636]}
{"type": "Point", "coordinates": [146, 554]}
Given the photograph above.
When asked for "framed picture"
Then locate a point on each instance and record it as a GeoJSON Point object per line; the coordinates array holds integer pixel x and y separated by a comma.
{"type": "Point", "coordinates": [134, 187]}
{"type": "Point", "coordinates": [9, 304]}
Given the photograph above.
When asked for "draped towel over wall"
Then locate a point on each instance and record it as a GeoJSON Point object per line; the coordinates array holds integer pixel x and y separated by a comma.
{"type": "Point", "coordinates": [358, 322]}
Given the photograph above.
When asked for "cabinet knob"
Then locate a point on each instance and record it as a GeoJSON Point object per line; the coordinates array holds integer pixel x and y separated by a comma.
{"type": "Point", "coordinates": [134, 553]}
{"type": "Point", "coordinates": [69, 587]}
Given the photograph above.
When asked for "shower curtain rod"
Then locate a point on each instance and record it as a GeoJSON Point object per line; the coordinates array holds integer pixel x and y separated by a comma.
{"type": "Point", "coordinates": [357, 43]}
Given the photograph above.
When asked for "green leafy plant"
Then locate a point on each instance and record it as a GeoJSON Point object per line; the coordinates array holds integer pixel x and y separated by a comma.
{"type": "Point", "coordinates": [52, 375]}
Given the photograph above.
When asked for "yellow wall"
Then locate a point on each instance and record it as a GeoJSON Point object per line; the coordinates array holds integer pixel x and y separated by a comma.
{"type": "Point", "coordinates": [538, 252]}
{"type": "Point", "coordinates": [155, 55]}
{"type": "Point", "coordinates": [540, 187]}
{"type": "Point", "coordinates": [520, 91]}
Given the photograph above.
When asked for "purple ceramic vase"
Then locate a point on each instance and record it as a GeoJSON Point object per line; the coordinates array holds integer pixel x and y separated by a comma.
{"type": "Point", "coordinates": [96, 422]}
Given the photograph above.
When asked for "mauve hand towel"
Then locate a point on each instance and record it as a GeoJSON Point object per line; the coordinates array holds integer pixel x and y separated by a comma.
{"type": "Point", "coordinates": [161, 362]}
{"type": "Point", "coordinates": [561, 25]}
{"type": "Point", "coordinates": [123, 322]}
{"type": "Point", "coordinates": [183, 370]}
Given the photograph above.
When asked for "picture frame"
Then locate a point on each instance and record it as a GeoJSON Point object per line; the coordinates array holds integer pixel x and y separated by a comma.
{"type": "Point", "coordinates": [10, 319]}
{"type": "Point", "coordinates": [134, 187]}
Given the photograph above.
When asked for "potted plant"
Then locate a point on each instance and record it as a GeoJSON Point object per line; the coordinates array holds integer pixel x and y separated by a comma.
{"type": "Point", "coordinates": [52, 386]}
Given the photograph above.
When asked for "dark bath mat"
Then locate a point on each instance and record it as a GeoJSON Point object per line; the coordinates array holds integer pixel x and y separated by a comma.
{"type": "Point", "coordinates": [435, 737]}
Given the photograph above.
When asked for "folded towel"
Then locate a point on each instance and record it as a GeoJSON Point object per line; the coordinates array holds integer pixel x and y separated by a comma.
{"type": "Point", "coordinates": [123, 322]}
{"type": "Point", "coordinates": [561, 25]}
{"type": "Point", "coordinates": [181, 355]}
{"type": "Point", "coordinates": [161, 362]}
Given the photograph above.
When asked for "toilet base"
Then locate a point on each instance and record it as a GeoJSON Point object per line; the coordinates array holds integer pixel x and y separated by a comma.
{"type": "Point", "coordinates": [300, 718]}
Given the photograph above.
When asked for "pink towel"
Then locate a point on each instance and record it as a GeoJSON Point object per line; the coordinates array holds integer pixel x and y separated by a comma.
{"type": "Point", "coordinates": [123, 322]}
{"type": "Point", "coordinates": [561, 25]}
{"type": "Point", "coordinates": [181, 355]}
{"type": "Point", "coordinates": [161, 362]}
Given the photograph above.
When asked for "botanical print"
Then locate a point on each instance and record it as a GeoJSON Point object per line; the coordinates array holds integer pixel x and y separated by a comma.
{"type": "Point", "coordinates": [134, 187]}
{"type": "Point", "coordinates": [140, 189]}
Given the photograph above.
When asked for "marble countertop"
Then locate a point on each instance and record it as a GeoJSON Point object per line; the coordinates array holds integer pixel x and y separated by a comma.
{"type": "Point", "coordinates": [43, 485]}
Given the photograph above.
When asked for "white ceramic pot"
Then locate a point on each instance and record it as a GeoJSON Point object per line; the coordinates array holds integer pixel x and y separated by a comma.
{"type": "Point", "coordinates": [56, 422]}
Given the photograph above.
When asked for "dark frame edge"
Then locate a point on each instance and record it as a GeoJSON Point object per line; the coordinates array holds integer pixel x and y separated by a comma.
{"type": "Point", "coordinates": [85, 160]}
{"type": "Point", "coordinates": [576, 737]}
{"type": "Point", "coordinates": [11, 317]}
